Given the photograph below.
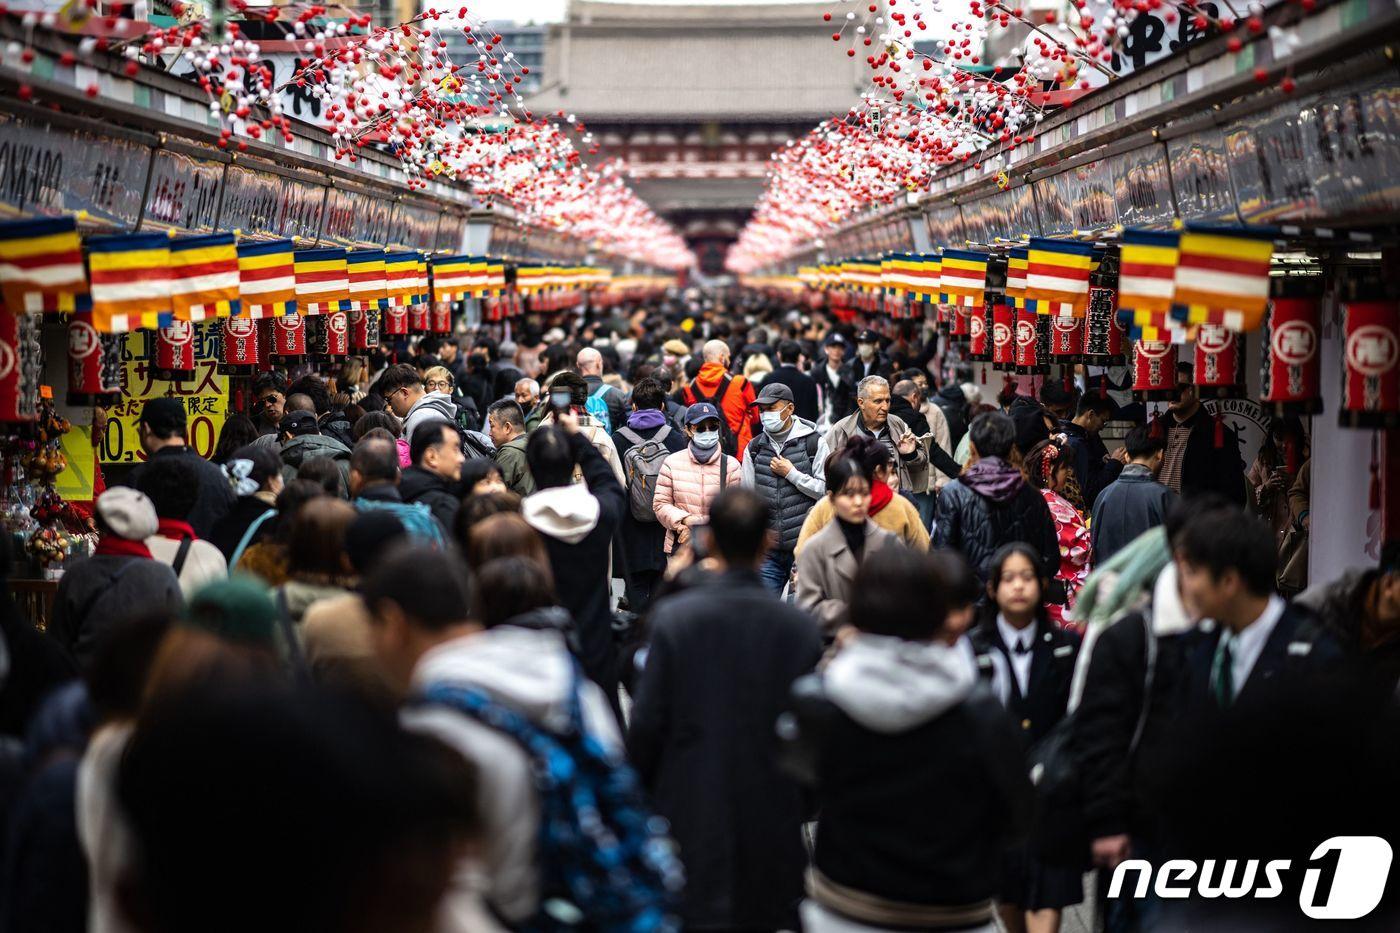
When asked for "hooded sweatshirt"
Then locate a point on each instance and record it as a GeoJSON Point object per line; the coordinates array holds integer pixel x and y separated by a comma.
{"type": "Point", "coordinates": [529, 670]}
{"type": "Point", "coordinates": [298, 450]}
{"type": "Point", "coordinates": [433, 406]}
{"type": "Point", "coordinates": [735, 403]}
{"type": "Point", "coordinates": [891, 685]}
{"type": "Point", "coordinates": [566, 513]}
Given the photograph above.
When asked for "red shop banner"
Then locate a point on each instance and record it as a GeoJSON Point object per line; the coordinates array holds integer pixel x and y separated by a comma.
{"type": "Point", "coordinates": [94, 363]}
{"type": "Point", "coordinates": [396, 322]}
{"type": "Point", "coordinates": [289, 337]}
{"type": "Point", "coordinates": [1066, 339]}
{"type": "Point", "coordinates": [174, 355]}
{"type": "Point", "coordinates": [1218, 362]}
{"type": "Point", "coordinates": [21, 366]}
{"type": "Point", "coordinates": [1003, 337]}
{"type": "Point", "coordinates": [1154, 369]}
{"type": "Point", "coordinates": [979, 347]}
{"type": "Point", "coordinates": [239, 355]}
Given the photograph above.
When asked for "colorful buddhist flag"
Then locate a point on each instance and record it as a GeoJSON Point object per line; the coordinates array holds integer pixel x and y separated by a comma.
{"type": "Point", "coordinates": [420, 283]}
{"type": "Point", "coordinates": [1017, 263]}
{"type": "Point", "coordinates": [267, 279]}
{"type": "Point", "coordinates": [1222, 277]}
{"type": "Point", "coordinates": [1057, 276]}
{"type": "Point", "coordinates": [401, 268]}
{"type": "Point", "coordinates": [1146, 284]}
{"type": "Point", "coordinates": [924, 273]}
{"type": "Point", "coordinates": [130, 281]}
{"type": "Point", "coordinates": [495, 281]}
{"type": "Point", "coordinates": [41, 265]}
{"type": "Point", "coordinates": [963, 278]}
{"type": "Point", "coordinates": [453, 277]}
{"type": "Point", "coordinates": [369, 283]}
{"type": "Point", "coordinates": [323, 280]}
{"type": "Point", "coordinates": [204, 277]}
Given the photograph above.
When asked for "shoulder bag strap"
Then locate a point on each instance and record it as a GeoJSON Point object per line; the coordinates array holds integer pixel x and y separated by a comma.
{"type": "Point", "coordinates": [178, 563]}
{"type": "Point", "coordinates": [1148, 680]}
{"type": "Point", "coordinates": [248, 536]}
{"type": "Point", "coordinates": [628, 434]}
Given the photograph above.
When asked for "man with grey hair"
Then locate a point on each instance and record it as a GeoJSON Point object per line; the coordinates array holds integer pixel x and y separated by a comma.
{"type": "Point", "coordinates": [589, 364]}
{"type": "Point", "coordinates": [872, 418]}
{"type": "Point", "coordinates": [527, 393]}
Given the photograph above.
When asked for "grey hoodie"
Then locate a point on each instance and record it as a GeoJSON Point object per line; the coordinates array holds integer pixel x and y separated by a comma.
{"type": "Point", "coordinates": [298, 450]}
{"type": "Point", "coordinates": [434, 406]}
{"type": "Point", "coordinates": [891, 685]}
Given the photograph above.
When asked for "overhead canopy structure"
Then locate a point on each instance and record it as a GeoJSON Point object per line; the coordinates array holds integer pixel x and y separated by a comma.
{"type": "Point", "coordinates": [637, 61]}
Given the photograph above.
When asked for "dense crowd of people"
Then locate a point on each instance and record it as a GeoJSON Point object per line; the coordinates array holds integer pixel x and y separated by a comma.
{"type": "Point", "coordinates": [704, 617]}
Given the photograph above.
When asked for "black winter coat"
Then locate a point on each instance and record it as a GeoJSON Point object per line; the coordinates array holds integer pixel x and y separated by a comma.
{"type": "Point", "coordinates": [1121, 789]}
{"type": "Point", "coordinates": [886, 826]}
{"type": "Point", "coordinates": [215, 496]}
{"type": "Point", "coordinates": [441, 496]}
{"type": "Point", "coordinates": [951, 401]}
{"type": "Point", "coordinates": [1208, 468]}
{"type": "Point", "coordinates": [1092, 467]}
{"type": "Point", "coordinates": [803, 386]}
{"type": "Point", "coordinates": [722, 660]}
{"type": "Point", "coordinates": [978, 527]}
{"type": "Point", "coordinates": [230, 529]}
{"type": "Point", "coordinates": [840, 395]}
{"type": "Point", "coordinates": [644, 542]}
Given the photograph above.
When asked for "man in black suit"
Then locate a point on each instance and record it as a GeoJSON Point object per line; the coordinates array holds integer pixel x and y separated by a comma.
{"type": "Point", "coordinates": [1265, 715]}
{"type": "Point", "coordinates": [803, 386]}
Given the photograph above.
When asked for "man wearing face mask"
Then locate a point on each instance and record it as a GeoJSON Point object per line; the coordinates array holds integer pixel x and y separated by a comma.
{"type": "Point", "coordinates": [869, 360]}
{"type": "Point", "coordinates": [691, 478]}
{"type": "Point", "coordinates": [784, 466]}
{"type": "Point", "coordinates": [873, 418]}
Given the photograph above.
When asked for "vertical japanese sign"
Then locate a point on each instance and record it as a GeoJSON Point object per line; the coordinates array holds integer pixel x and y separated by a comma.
{"type": "Point", "coordinates": [204, 394]}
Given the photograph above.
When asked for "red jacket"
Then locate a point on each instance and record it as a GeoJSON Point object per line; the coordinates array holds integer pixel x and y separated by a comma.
{"type": "Point", "coordinates": [738, 397]}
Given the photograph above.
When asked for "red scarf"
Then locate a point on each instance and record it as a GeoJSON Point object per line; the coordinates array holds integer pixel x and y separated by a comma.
{"type": "Point", "coordinates": [881, 495]}
{"type": "Point", "coordinates": [174, 529]}
{"type": "Point", "coordinates": [112, 546]}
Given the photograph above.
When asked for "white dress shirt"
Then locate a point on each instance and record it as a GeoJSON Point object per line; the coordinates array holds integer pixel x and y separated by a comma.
{"type": "Point", "coordinates": [1248, 644]}
{"type": "Point", "coordinates": [1013, 638]}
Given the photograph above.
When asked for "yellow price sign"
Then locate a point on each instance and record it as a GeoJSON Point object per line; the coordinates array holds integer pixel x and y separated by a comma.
{"type": "Point", "coordinates": [204, 394]}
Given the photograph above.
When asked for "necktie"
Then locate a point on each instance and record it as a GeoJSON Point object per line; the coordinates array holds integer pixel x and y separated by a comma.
{"type": "Point", "coordinates": [1022, 647]}
{"type": "Point", "coordinates": [1222, 672]}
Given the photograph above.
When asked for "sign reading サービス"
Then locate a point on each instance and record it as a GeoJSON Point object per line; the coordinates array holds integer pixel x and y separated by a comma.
{"type": "Point", "coordinates": [204, 394]}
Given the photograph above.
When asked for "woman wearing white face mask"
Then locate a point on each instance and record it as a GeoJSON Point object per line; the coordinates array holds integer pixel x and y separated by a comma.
{"type": "Point", "coordinates": [691, 478]}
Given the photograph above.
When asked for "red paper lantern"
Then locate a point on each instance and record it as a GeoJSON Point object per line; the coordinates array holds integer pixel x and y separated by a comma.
{"type": "Point", "coordinates": [364, 329]}
{"type": "Point", "coordinates": [979, 344]}
{"type": "Point", "coordinates": [441, 319]}
{"type": "Point", "coordinates": [1218, 362]}
{"type": "Point", "coordinates": [396, 322]}
{"type": "Point", "coordinates": [418, 319]}
{"type": "Point", "coordinates": [1066, 339]}
{"type": "Point", "coordinates": [94, 363]}
{"type": "Point", "coordinates": [961, 325]}
{"type": "Point", "coordinates": [239, 355]}
{"type": "Point", "coordinates": [289, 338]}
{"type": "Point", "coordinates": [174, 354]}
{"type": "Point", "coordinates": [327, 336]}
{"type": "Point", "coordinates": [1028, 358]}
{"type": "Point", "coordinates": [1292, 367]}
{"type": "Point", "coordinates": [1154, 369]}
{"type": "Point", "coordinates": [1372, 358]}
{"type": "Point", "coordinates": [21, 366]}
{"type": "Point", "coordinates": [1003, 337]}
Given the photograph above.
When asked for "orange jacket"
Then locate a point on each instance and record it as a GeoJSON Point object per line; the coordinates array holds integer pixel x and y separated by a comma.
{"type": "Point", "coordinates": [735, 404]}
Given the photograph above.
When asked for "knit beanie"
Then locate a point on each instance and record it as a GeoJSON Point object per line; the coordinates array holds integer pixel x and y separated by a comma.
{"type": "Point", "coordinates": [238, 609]}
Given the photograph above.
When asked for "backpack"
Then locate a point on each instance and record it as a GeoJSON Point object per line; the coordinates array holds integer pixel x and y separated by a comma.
{"type": "Point", "coordinates": [642, 465]}
{"type": "Point", "coordinates": [597, 407]}
{"type": "Point", "coordinates": [605, 860]}
{"type": "Point", "coordinates": [728, 440]}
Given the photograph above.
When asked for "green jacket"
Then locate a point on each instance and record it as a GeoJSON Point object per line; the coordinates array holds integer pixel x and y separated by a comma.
{"type": "Point", "coordinates": [510, 457]}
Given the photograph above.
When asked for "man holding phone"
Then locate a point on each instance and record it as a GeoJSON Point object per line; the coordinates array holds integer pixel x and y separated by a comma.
{"type": "Point", "coordinates": [873, 418]}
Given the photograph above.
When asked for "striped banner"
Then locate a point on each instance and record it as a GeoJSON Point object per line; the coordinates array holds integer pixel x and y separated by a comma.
{"type": "Point", "coordinates": [130, 278]}
{"type": "Point", "coordinates": [1057, 276]}
{"type": "Point", "coordinates": [401, 268]}
{"type": "Point", "coordinates": [421, 292]}
{"type": "Point", "coordinates": [41, 265]}
{"type": "Point", "coordinates": [1222, 277]}
{"type": "Point", "coordinates": [204, 276]}
{"type": "Point", "coordinates": [963, 278]}
{"type": "Point", "coordinates": [1146, 284]}
{"type": "Point", "coordinates": [453, 277]}
{"type": "Point", "coordinates": [1017, 263]}
{"type": "Point", "coordinates": [494, 281]}
{"type": "Point", "coordinates": [323, 280]}
{"type": "Point", "coordinates": [369, 283]}
{"type": "Point", "coordinates": [267, 279]}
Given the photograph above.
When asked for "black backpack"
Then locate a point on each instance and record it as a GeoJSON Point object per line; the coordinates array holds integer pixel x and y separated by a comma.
{"type": "Point", "coordinates": [728, 440]}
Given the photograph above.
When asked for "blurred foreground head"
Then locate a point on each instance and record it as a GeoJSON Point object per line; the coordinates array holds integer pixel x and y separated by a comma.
{"type": "Point", "coordinates": [277, 810]}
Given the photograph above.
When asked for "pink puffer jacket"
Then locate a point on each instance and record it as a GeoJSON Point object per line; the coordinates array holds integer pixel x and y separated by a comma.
{"type": "Point", "coordinates": [687, 487]}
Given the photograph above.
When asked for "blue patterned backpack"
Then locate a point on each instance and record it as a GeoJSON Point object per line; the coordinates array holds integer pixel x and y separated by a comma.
{"type": "Point", "coordinates": [606, 862]}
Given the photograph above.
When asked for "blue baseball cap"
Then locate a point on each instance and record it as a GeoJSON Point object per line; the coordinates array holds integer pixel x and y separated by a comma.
{"type": "Point", "coordinates": [700, 411]}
